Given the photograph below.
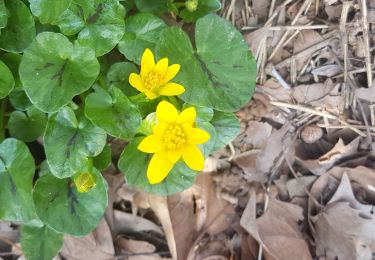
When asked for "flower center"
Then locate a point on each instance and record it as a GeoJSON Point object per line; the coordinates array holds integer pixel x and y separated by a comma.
{"type": "Point", "coordinates": [151, 80]}
{"type": "Point", "coordinates": [174, 137]}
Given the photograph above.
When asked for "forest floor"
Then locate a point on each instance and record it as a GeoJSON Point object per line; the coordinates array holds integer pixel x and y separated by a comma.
{"type": "Point", "coordinates": [299, 180]}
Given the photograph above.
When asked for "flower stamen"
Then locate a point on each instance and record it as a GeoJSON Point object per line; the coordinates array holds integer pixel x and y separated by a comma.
{"type": "Point", "coordinates": [151, 80]}
{"type": "Point", "coordinates": [174, 137]}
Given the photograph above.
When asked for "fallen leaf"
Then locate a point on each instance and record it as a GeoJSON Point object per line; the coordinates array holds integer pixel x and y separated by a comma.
{"type": "Point", "coordinates": [125, 223]}
{"type": "Point", "coordinates": [329, 70]}
{"type": "Point", "coordinates": [367, 94]}
{"type": "Point", "coordinates": [97, 245]}
{"type": "Point", "coordinates": [134, 246]}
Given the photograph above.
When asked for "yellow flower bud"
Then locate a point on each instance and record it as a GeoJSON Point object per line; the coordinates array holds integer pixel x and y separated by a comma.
{"type": "Point", "coordinates": [191, 5]}
{"type": "Point", "coordinates": [85, 182]}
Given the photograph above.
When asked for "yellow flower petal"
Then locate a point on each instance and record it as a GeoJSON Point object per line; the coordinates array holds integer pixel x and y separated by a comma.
{"type": "Point", "coordinates": [193, 157]}
{"type": "Point", "coordinates": [136, 82]}
{"type": "Point", "coordinates": [150, 95]}
{"type": "Point", "coordinates": [161, 67]}
{"type": "Point", "coordinates": [171, 89]}
{"type": "Point", "coordinates": [187, 116]}
{"type": "Point", "coordinates": [159, 128]}
{"type": "Point", "coordinates": [147, 62]}
{"type": "Point", "coordinates": [171, 72]}
{"type": "Point", "coordinates": [150, 144]}
{"type": "Point", "coordinates": [174, 155]}
{"type": "Point", "coordinates": [199, 136]}
{"type": "Point", "coordinates": [166, 112]}
{"type": "Point", "coordinates": [159, 167]}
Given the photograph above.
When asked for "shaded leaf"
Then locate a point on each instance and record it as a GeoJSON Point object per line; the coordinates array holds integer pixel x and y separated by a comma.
{"type": "Point", "coordinates": [6, 80]}
{"type": "Point", "coordinates": [100, 23]}
{"type": "Point", "coordinates": [53, 71]}
{"type": "Point", "coordinates": [3, 14]}
{"type": "Point", "coordinates": [113, 112]}
{"type": "Point", "coordinates": [152, 6]}
{"type": "Point", "coordinates": [27, 126]}
{"type": "Point", "coordinates": [142, 31]}
{"type": "Point", "coordinates": [70, 141]}
{"type": "Point", "coordinates": [119, 73]}
{"type": "Point", "coordinates": [17, 169]}
{"type": "Point", "coordinates": [40, 243]}
{"type": "Point", "coordinates": [104, 159]}
{"type": "Point", "coordinates": [224, 70]}
{"type": "Point", "coordinates": [20, 29]}
{"type": "Point", "coordinates": [62, 207]}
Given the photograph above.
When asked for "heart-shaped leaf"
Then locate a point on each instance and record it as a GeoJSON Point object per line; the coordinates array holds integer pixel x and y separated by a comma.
{"type": "Point", "coordinates": [100, 23]}
{"type": "Point", "coordinates": [53, 71]}
{"type": "Point", "coordinates": [6, 80]}
{"type": "Point", "coordinates": [104, 159]}
{"type": "Point", "coordinates": [69, 142]}
{"type": "Point", "coordinates": [20, 28]}
{"type": "Point", "coordinates": [204, 7]}
{"type": "Point", "coordinates": [27, 126]}
{"type": "Point", "coordinates": [113, 112]}
{"type": "Point", "coordinates": [17, 169]}
{"type": "Point", "coordinates": [40, 243]}
{"type": "Point", "coordinates": [118, 75]}
{"type": "Point", "coordinates": [221, 73]}
{"type": "Point", "coordinates": [62, 207]}
{"type": "Point", "coordinates": [152, 6]}
{"type": "Point", "coordinates": [142, 31]}
{"type": "Point", "coordinates": [48, 10]}
{"type": "Point", "coordinates": [227, 127]}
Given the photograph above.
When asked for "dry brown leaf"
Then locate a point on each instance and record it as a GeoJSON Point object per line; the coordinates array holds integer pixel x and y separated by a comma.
{"type": "Point", "coordinates": [367, 94]}
{"type": "Point", "coordinates": [279, 144]}
{"type": "Point", "coordinates": [125, 223]}
{"type": "Point", "coordinates": [134, 246]}
{"type": "Point", "coordinates": [198, 210]}
{"type": "Point", "coordinates": [297, 186]}
{"type": "Point", "coordinates": [342, 233]}
{"type": "Point", "coordinates": [260, 8]}
{"type": "Point", "coordinates": [247, 162]}
{"type": "Point", "coordinates": [97, 245]}
{"type": "Point", "coordinates": [277, 230]}
{"type": "Point", "coordinates": [305, 39]}
{"type": "Point", "coordinates": [160, 207]}
{"type": "Point", "coordinates": [324, 95]}
{"type": "Point", "coordinates": [257, 134]}
{"type": "Point", "coordinates": [329, 70]}
{"type": "Point", "coordinates": [256, 38]}
{"type": "Point", "coordinates": [333, 12]}
{"type": "Point", "coordinates": [339, 151]}
{"type": "Point", "coordinates": [276, 91]}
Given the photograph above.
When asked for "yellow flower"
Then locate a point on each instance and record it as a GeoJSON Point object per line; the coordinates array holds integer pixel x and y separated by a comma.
{"type": "Point", "coordinates": [174, 137]}
{"type": "Point", "coordinates": [154, 79]}
{"type": "Point", "coordinates": [85, 182]}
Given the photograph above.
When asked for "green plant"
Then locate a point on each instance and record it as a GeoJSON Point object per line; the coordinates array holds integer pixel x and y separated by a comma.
{"type": "Point", "coordinates": [64, 86]}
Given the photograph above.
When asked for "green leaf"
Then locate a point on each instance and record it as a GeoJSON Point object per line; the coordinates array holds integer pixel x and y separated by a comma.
{"type": "Point", "coordinates": [69, 142]}
{"type": "Point", "coordinates": [20, 29]}
{"type": "Point", "coordinates": [53, 71]}
{"type": "Point", "coordinates": [63, 208]}
{"type": "Point", "coordinates": [3, 14]}
{"type": "Point", "coordinates": [100, 23]}
{"type": "Point", "coordinates": [113, 112]}
{"type": "Point", "coordinates": [6, 80]}
{"type": "Point", "coordinates": [19, 99]}
{"type": "Point", "coordinates": [104, 159]}
{"type": "Point", "coordinates": [133, 164]}
{"type": "Point", "coordinates": [220, 74]}
{"type": "Point", "coordinates": [142, 31]}
{"type": "Point", "coordinates": [17, 169]}
{"type": "Point", "coordinates": [119, 73]}
{"type": "Point", "coordinates": [27, 126]}
{"type": "Point", "coordinates": [48, 10]}
{"type": "Point", "coordinates": [129, 4]}
{"type": "Point", "coordinates": [208, 147]}
{"type": "Point", "coordinates": [204, 114]}
{"type": "Point", "coordinates": [151, 6]}
{"type": "Point", "coordinates": [40, 243]}
{"type": "Point", "coordinates": [227, 127]}
{"type": "Point", "coordinates": [204, 7]}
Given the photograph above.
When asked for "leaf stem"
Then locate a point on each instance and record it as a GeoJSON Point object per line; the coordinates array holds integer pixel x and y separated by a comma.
{"type": "Point", "coordinates": [102, 82]}
{"type": "Point", "coordinates": [175, 102]}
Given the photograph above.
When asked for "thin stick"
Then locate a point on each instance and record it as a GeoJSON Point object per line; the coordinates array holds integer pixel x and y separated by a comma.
{"type": "Point", "coordinates": [366, 41]}
{"type": "Point", "coordinates": [287, 27]}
